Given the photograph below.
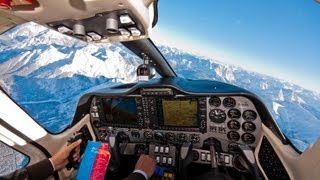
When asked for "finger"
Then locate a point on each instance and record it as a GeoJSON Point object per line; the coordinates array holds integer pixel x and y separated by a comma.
{"type": "Point", "coordinates": [65, 163]}
{"type": "Point", "coordinates": [76, 155]}
{"type": "Point", "coordinates": [75, 159]}
{"type": "Point", "coordinates": [74, 145]}
{"type": "Point", "coordinates": [78, 149]}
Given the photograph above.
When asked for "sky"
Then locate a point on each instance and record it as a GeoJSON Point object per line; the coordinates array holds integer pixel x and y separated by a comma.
{"type": "Point", "coordinates": [280, 38]}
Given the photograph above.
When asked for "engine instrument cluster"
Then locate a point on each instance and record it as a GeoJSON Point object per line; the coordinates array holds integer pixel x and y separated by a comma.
{"type": "Point", "coordinates": [236, 117]}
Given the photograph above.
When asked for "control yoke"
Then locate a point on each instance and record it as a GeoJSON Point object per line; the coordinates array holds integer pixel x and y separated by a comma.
{"type": "Point", "coordinates": [247, 152]}
{"type": "Point", "coordinates": [114, 147]}
{"type": "Point", "coordinates": [185, 158]}
{"type": "Point", "coordinates": [75, 137]}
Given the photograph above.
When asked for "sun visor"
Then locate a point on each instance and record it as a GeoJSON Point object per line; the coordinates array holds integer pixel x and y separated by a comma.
{"type": "Point", "coordinates": [13, 115]}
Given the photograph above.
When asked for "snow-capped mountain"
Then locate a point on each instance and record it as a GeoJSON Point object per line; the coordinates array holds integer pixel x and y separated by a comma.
{"type": "Point", "coordinates": [43, 73]}
{"type": "Point", "coordinates": [46, 73]}
{"type": "Point", "coordinates": [296, 110]}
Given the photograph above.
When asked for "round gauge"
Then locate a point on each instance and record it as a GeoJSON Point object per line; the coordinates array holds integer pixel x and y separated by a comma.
{"type": "Point", "coordinates": [148, 134]}
{"type": "Point", "coordinates": [233, 147]}
{"type": "Point", "coordinates": [233, 136]}
{"type": "Point", "coordinates": [248, 127]}
{"type": "Point", "coordinates": [229, 102]}
{"type": "Point", "coordinates": [248, 138]}
{"type": "Point", "coordinates": [217, 116]}
{"type": "Point", "coordinates": [233, 125]}
{"type": "Point", "coordinates": [215, 101]}
{"type": "Point", "coordinates": [182, 137]}
{"type": "Point", "coordinates": [249, 115]}
{"type": "Point", "coordinates": [234, 114]}
{"type": "Point", "coordinates": [170, 136]}
{"type": "Point", "coordinates": [194, 138]}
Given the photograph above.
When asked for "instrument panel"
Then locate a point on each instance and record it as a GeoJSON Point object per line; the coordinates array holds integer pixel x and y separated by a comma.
{"type": "Point", "coordinates": [177, 119]}
{"type": "Point", "coordinates": [234, 119]}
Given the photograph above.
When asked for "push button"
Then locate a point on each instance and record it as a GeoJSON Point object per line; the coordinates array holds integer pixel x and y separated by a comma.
{"type": "Point", "coordinates": [203, 156]}
{"type": "Point", "coordinates": [166, 150]}
{"type": "Point", "coordinates": [170, 161]}
{"type": "Point", "coordinates": [158, 159]}
{"type": "Point", "coordinates": [227, 159]}
{"type": "Point", "coordinates": [156, 149]}
{"type": "Point", "coordinates": [161, 149]}
{"type": "Point", "coordinates": [164, 160]}
{"type": "Point", "coordinates": [209, 157]}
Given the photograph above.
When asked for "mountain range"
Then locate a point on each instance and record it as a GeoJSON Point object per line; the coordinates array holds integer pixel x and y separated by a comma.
{"type": "Point", "coordinates": [46, 72]}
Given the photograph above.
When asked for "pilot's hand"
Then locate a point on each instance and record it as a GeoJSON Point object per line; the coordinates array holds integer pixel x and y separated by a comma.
{"type": "Point", "coordinates": [60, 159]}
{"type": "Point", "coordinates": [146, 164]}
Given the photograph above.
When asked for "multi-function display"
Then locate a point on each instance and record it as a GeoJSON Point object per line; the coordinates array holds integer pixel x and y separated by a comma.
{"type": "Point", "coordinates": [168, 112]}
{"type": "Point", "coordinates": [178, 112]}
{"type": "Point", "coordinates": [121, 111]}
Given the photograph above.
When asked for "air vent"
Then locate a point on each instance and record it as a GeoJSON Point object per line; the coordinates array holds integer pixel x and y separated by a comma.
{"type": "Point", "coordinates": [270, 162]}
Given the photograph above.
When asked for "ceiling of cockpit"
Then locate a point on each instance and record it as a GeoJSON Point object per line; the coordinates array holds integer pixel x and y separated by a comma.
{"type": "Point", "coordinates": [7, 22]}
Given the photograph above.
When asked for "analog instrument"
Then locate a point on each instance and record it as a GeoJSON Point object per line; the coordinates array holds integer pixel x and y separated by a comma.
{"type": "Point", "coordinates": [233, 125]}
{"type": "Point", "coordinates": [229, 102]}
{"type": "Point", "coordinates": [194, 138]}
{"type": "Point", "coordinates": [233, 136]}
{"type": "Point", "coordinates": [182, 137]}
{"type": "Point", "coordinates": [234, 114]}
{"type": "Point", "coordinates": [170, 136]}
{"type": "Point", "coordinates": [248, 127]}
{"type": "Point", "coordinates": [215, 101]}
{"type": "Point", "coordinates": [217, 116]}
{"type": "Point", "coordinates": [249, 115]}
{"type": "Point", "coordinates": [248, 138]}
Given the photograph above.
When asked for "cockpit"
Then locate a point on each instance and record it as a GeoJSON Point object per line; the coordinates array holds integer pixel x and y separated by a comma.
{"type": "Point", "coordinates": [194, 129]}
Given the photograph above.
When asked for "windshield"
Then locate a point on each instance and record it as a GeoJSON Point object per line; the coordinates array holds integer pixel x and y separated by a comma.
{"type": "Point", "coordinates": [270, 48]}
{"type": "Point", "coordinates": [46, 72]}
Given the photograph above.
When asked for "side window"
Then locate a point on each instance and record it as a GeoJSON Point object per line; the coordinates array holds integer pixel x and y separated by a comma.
{"type": "Point", "coordinates": [11, 159]}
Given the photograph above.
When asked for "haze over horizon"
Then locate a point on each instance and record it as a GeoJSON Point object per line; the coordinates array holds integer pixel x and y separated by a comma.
{"type": "Point", "coordinates": [278, 38]}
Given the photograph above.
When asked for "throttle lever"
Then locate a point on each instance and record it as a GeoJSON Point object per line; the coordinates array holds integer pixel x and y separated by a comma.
{"type": "Point", "coordinates": [75, 137]}
{"type": "Point", "coordinates": [185, 158]}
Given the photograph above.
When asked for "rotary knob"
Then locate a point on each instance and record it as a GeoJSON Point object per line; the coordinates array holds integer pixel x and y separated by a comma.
{"type": "Point", "coordinates": [148, 134]}
{"type": "Point", "coordinates": [194, 138]}
{"type": "Point", "coordinates": [159, 136]}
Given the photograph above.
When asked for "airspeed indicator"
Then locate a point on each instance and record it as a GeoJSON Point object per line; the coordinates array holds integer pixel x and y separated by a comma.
{"type": "Point", "coordinates": [217, 116]}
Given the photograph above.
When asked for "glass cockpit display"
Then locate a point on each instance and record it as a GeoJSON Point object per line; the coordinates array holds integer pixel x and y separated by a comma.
{"type": "Point", "coordinates": [179, 112]}
{"type": "Point", "coordinates": [161, 112]}
{"type": "Point", "coordinates": [121, 111]}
